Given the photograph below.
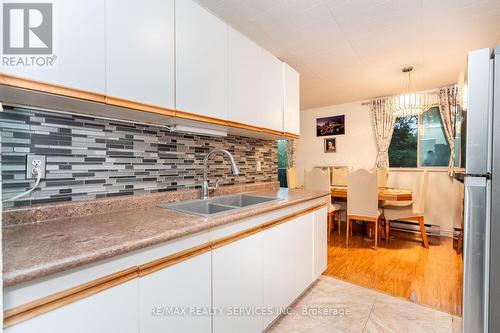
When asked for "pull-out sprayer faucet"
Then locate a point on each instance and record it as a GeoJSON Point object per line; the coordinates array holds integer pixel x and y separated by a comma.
{"type": "Point", "coordinates": [234, 169]}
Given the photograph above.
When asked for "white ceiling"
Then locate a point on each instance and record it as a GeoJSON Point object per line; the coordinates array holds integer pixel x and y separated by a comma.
{"type": "Point", "coordinates": [351, 50]}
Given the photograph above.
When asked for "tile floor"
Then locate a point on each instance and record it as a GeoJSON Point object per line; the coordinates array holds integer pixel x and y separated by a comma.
{"type": "Point", "coordinates": [335, 306]}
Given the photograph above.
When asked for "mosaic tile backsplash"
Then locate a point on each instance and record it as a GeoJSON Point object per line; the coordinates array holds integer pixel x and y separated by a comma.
{"type": "Point", "coordinates": [89, 158]}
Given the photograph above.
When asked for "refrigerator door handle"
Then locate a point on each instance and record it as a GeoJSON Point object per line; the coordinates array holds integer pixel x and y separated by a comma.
{"type": "Point", "coordinates": [475, 254]}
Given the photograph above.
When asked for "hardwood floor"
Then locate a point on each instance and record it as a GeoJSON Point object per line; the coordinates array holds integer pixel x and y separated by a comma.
{"type": "Point", "coordinates": [404, 268]}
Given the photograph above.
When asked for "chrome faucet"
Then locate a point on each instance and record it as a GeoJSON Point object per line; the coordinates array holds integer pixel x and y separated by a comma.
{"type": "Point", "coordinates": [204, 185]}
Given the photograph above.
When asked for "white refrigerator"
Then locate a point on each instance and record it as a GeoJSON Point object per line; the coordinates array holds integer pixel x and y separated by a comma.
{"type": "Point", "coordinates": [481, 276]}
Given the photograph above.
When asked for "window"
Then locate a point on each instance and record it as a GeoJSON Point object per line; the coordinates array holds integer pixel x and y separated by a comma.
{"type": "Point", "coordinates": [282, 154]}
{"type": "Point", "coordinates": [282, 162]}
{"type": "Point", "coordinates": [420, 142]}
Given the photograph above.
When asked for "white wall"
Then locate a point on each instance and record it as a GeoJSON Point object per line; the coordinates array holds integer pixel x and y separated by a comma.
{"type": "Point", "coordinates": [443, 204]}
{"type": "Point", "coordinates": [358, 149]}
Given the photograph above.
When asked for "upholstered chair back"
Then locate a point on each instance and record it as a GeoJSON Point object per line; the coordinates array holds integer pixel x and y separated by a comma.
{"type": "Point", "coordinates": [362, 193]}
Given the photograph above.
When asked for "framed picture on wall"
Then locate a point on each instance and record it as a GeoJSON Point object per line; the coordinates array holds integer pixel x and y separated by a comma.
{"type": "Point", "coordinates": [330, 145]}
{"type": "Point", "coordinates": [333, 125]}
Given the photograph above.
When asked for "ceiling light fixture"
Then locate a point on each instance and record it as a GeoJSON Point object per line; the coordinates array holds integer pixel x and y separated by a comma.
{"type": "Point", "coordinates": [410, 104]}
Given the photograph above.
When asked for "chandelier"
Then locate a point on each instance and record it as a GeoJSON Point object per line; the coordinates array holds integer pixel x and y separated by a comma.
{"type": "Point", "coordinates": [410, 104]}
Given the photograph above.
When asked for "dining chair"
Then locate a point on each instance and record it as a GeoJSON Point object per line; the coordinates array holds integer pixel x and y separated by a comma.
{"type": "Point", "coordinates": [317, 179]}
{"type": "Point", "coordinates": [414, 212]}
{"type": "Point", "coordinates": [362, 200]}
{"type": "Point", "coordinates": [339, 175]}
{"type": "Point", "coordinates": [339, 178]}
{"type": "Point", "coordinates": [382, 175]}
{"type": "Point", "coordinates": [291, 177]}
{"type": "Point", "coordinates": [383, 182]}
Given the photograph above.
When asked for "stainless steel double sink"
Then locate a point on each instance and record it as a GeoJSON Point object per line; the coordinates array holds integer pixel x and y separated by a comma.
{"type": "Point", "coordinates": [217, 205]}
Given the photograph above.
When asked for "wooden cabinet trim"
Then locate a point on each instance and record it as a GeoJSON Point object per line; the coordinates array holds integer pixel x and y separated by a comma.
{"type": "Point", "coordinates": [57, 300]}
{"type": "Point", "coordinates": [65, 297]}
{"type": "Point", "coordinates": [291, 135]}
{"type": "Point", "coordinates": [173, 259]}
{"type": "Point", "coordinates": [125, 103]}
{"type": "Point", "coordinates": [193, 116]}
{"type": "Point", "coordinates": [14, 81]}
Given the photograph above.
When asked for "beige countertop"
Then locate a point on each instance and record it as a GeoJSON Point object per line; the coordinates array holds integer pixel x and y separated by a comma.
{"type": "Point", "coordinates": [35, 250]}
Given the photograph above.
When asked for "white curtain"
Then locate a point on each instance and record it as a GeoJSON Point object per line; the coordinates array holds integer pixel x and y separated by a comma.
{"type": "Point", "coordinates": [448, 109]}
{"type": "Point", "coordinates": [383, 123]}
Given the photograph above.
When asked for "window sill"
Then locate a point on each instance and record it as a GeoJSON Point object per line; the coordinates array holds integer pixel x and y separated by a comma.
{"type": "Point", "coordinates": [419, 169]}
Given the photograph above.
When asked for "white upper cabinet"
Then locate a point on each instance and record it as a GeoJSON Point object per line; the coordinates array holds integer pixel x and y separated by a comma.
{"type": "Point", "coordinates": [291, 109]}
{"type": "Point", "coordinates": [271, 92]}
{"type": "Point", "coordinates": [140, 51]}
{"type": "Point", "coordinates": [201, 61]}
{"type": "Point", "coordinates": [170, 54]}
{"type": "Point", "coordinates": [78, 46]}
{"type": "Point", "coordinates": [244, 60]}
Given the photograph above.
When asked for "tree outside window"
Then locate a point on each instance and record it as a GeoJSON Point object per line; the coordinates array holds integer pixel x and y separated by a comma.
{"type": "Point", "coordinates": [403, 147]}
{"type": "Point", "coordinates": [282, 162]}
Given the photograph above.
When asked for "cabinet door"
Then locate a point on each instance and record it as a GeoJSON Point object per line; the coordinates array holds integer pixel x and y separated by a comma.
{"type": "Point", "coordinates": [302, 252]}
{"type": "Point", "coordinates": [201, 61]}
{"type": "Point", "coordinates": [244, 59]}
{"type": "Point", "coordinates": [78, 46]}
{"type": "Point", "coordinates": [237, 284]}
{"type": "Point", "coordinates": [271, 92]}
{"type": "Point", "coordinates": [320, 242]}
{"type": "Point", "coordinates": [170, 298]}
{"type": "Point", "coordinates": [291, 108]}
{"type": "Point", "coordinates": [278, 268]}
{"type": "Point", "coordinates": [140, 51]}
{"type": "Point", "coordinates": [112, 310]}
{"type": "Point", "coordinates": [287, 263]}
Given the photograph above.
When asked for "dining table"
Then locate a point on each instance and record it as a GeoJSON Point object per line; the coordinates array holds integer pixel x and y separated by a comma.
{"type": "Point", "coordinates": [384, 193]}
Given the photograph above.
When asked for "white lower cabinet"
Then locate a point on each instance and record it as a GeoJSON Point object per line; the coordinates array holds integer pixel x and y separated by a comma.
{"type": "Point", "coordinates": [287, 263]}
{"type": "Point", "coordinates": [320, 242]}
{"type": "Point", "coordinates": [301, 251]}
{"type": "Point", "coordinates": [113, 310]}
{"type": "Point", "coordinates": [278, 268]}
{"type": "Point", "coordinates": [237, 286]}
{"type": "Point", "coordinates": [177, 298]}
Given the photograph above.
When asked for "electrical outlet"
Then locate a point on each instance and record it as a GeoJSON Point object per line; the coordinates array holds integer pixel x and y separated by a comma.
{"type": "Point", "coordinates": [259, 166]}
{"type": "Point", "coordinates": [35, 162]}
